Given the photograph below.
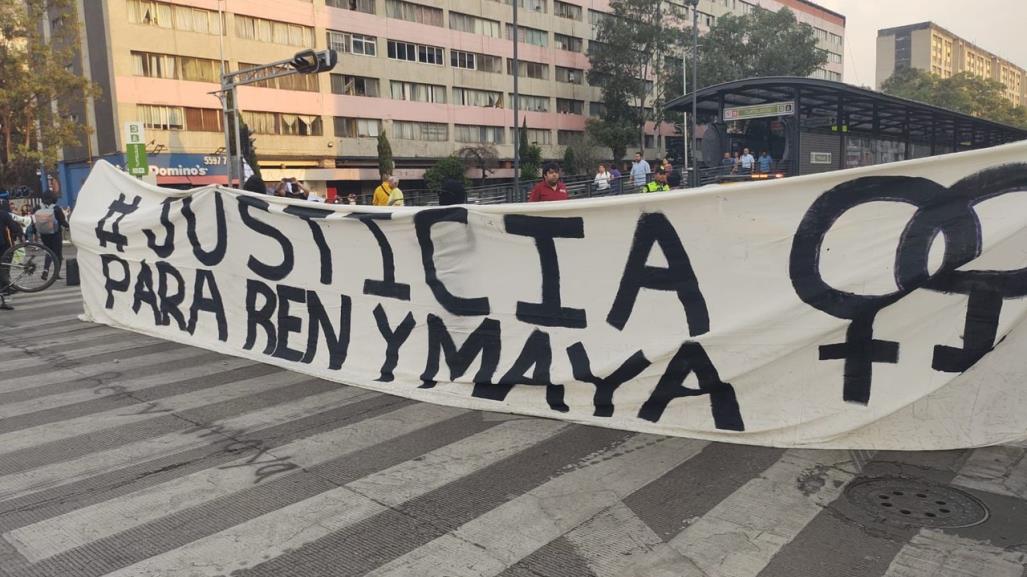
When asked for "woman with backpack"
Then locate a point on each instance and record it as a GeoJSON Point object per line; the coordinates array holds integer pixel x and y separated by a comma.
{"type": "Point", "coordinates": [49, 220]}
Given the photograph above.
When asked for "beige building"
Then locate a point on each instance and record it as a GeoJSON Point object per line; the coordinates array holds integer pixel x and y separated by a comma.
{"type": "Point", "coordinates": [434, 76]}
{"type": "Point", "coordinates": [930, 47]}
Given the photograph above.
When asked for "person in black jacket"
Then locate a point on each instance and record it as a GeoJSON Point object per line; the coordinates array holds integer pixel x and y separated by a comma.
{"type": "Point", "coordinates": [10, 232]}
{"type": "Point", "coordinates": [453, 192]}
{"type": "Point", "coordinates": [52, 240]}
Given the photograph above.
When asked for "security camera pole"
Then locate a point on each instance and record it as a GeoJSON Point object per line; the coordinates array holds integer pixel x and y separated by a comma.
{"type": "Point", "coordinates": [305, 62]}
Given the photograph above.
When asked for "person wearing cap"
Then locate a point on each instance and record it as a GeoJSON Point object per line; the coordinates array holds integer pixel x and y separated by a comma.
{"type": "Point", "coordinates": [658, 183]}
{"type": "Point", "coordinates": [550, 187]}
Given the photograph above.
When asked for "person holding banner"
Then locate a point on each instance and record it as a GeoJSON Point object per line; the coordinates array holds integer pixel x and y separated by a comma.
{"type": "Point", "coordinates": [550, 187]}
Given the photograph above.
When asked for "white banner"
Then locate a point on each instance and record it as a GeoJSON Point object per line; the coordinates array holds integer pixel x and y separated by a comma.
{"type": "Point", "coordinates": [876, 308]}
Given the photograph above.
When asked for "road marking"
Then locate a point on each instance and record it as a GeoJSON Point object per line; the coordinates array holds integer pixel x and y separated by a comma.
{"type": "Point", "coordinates": [28, 364]}
{"type": "Point", "coordinates": [58, 534]}
{"type": "Point", "coordinates": [487, 546]}
{"type": "Point", "coordinates": [214, 367]}
{"type": "Point", "coordinates": [934, 554]}
{"type": "Point", "coordinates": [742, 533]}
{"type": "Point", "coordinates": [45, 378]}
{"type": "Point", "coordinates": [85, 466]}
{"type": "Point", "coordinates": [290, 527]}
{"type": "Point", "coordinates": [143, 410]}
{"type": "Point", "coordinates": [999, 470]}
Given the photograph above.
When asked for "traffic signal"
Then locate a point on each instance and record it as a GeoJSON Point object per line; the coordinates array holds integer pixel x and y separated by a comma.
{"type": "Point", "coordinates": [312, 62]}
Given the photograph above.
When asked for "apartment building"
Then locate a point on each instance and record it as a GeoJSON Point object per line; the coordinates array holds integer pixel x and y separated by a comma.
{"type": "Point", "coordinates": [433, 76]}
{"type": "Point", "coordinates": [930, 47]}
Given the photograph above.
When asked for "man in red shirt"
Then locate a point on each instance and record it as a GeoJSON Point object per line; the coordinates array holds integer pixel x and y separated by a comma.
{"type": "Point", "coordinates": [550, 187]}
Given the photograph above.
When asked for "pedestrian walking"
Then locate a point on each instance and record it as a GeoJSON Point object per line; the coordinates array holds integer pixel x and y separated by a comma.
{"type": "Point", "coordinates": [49, 221]}
{"type": "Point", "coordinates": [746, 161]}
{"type": "Point", "coordinates": [381, 194]}
{"type": "Point", "coordinates": [765, 162]}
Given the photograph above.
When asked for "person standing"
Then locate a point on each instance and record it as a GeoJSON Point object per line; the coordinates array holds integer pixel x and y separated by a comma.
{"type": "Point", "coordinates": [395, 195]}
{"type": "Point", "coordinates": [639, 170]}
{"type": "Point", "coordinates": [765, 162]}
{"type": "Point", "coordinates": [550, 187]}
{"type": "Point", "coordinates": [746, 161]}
{"type": "Point", "coordinates": [659, 182]}
{"type": "Point", "coordinates": [453, 192]}
{"type": "Point", "coordinates": [602, 179]}
{"type": "Point", "coordinates": [381, 194]}
{"type": "Point", "coordinates": [49, 221]}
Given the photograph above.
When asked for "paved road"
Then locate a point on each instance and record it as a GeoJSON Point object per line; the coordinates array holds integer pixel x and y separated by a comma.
{"type": "Point", "coordinates": [125, 455]}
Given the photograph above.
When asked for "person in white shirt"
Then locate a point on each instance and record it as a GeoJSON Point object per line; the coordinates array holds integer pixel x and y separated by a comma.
{"type": "Point", "coordinates": [747, 160]}
{"type": "Point", "coordinates": [639, 170]}
{"type": "Point", "coordinates": [602, 179]}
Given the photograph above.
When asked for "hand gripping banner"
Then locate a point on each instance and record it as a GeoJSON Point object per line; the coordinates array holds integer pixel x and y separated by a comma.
{"type": "Point", "coordinates": [874, 308]}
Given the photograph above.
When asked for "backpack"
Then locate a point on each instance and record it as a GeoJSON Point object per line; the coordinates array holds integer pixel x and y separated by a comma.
{"type": "Point", "coordinates": [46, 221]}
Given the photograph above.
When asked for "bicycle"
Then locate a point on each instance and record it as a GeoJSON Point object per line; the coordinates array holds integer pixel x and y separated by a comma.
{"type": "Point", "coordinates": [27, 267]}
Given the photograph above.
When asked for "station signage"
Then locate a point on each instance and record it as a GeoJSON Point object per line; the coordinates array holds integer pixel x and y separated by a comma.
{"type": "Point", "coordinates": [768, 110]}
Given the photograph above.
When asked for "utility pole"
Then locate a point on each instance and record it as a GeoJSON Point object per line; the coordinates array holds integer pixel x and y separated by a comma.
{"type": "Point", "coordinates": [516, 109]}
{"type": "Point", "coordinates": [695, 89]}
{"type": "Point", "coordinates": [305, 62]}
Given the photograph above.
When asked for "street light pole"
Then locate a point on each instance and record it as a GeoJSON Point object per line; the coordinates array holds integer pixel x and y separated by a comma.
{"type": "Point", "coordinates": [516, 109]}
{"type": "Point", "coordinates": [695, 89]}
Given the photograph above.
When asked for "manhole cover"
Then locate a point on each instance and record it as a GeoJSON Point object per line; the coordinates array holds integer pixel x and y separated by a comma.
{"type": "Point", "coordinates": [913, 502]}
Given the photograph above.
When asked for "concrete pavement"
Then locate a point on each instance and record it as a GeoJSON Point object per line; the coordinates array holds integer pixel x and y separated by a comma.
{"type": "Point", "coordinates": [125, 455]}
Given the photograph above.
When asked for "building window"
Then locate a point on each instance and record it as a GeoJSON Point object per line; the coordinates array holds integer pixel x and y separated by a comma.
{"type": "Point", "coordinates": [366, 6]}
{"type": "Point", "coordinates": [357, 127]}
{"type": "Point", "coordinates": [567, 137]}
{"type": "Point", "coordinates": [203, 119]}
{"type": "Point", "coordinates": [527, 35]}
{"type": "Point", "coordinates": [183, 18]}
{"type": "Point", "coordinates": [426, 131]}
{"type": "Point", "coordinates": [539, 136]}
{"type": "Point", "coordinates": [303, 82]}
{"type": "Point", "coordinates": [528, 69]}
{"type": "Point", "coordinates": [283, 123]}
{"type": "Point", "coordinates": [570, 75]}
{"type": "Point", "coordinates": [565, 10]}
{"type": "Point", "coordinates": [475, 61]}
{"type": "Point", "coordinates": [161, 117]}
{"type": "Point", "coordinates": [596, 109]}
{"type": "Point", "coordinates": [348, 43]}
{"type": "Point", "coordinates": [401, 10]}
{"type": "Point", "coordinates": [416, 92]}
{"type": "Point", "coordinates": [531, 103]}
{"type": "Point", "coordinates": [271, 31]}
{"type": "Point", "coordinates": [416, 52]}
{"type": "Point", "coordinates": [348, 85]}
{"type": "Point", "coordinates": [568, 43]}
{"type": "Point", "coordinates": [474, 25]}
{"type": "Point", "coordinates": [478, 134]}
{"type": "Point", "coordinates": [568, 106]}
{"type": "Point", "coordinates": [533, 5]}
{"type": "Point", "coordinates": [472, 97]}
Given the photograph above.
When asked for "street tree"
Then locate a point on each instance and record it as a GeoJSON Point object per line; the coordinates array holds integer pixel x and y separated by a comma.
{"type": "Point", "coordinates": [761, 43]}
{"type": "Point", "coordinates": [445, 168]}
{"type": "Point", "coordinates": [962, 92]}
{"type": "Point", "coordinates": [385, 163]}
{"type": "Point", "coordinates": [39, 86]}
{"type": "Point", "coordinates": [628, 62]}
{"type": "Point", "coordinates": [483, 157]}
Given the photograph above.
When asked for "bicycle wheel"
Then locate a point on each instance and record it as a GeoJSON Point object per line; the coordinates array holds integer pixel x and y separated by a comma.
{"type": "Point", "coordinates": [28, 267]}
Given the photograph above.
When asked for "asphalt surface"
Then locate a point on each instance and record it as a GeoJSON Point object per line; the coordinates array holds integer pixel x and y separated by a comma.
{"type": "Point", "coordinates": [125, 455]}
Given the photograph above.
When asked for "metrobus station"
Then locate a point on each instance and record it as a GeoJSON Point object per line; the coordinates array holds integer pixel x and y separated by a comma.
{"type": "Point", "coordinates": [811, 126]}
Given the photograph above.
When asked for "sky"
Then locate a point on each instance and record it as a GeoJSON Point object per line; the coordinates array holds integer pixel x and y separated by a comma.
{"type": "Point", "coordinates": [999, 26]}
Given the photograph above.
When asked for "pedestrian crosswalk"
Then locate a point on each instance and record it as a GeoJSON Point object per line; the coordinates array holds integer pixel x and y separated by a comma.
{"type": "Point", "coordinates": [128, 456]}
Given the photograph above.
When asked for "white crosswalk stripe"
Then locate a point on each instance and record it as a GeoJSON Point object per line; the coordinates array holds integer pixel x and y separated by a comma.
{"type": "Point", "coordinates": [50, 476]}
{"type": "Point", "coordinates": [59, 534]}
{"type": "Point", "coordinates": [289, 527]}
{"type": "Point", "coordinates": [935, 554]}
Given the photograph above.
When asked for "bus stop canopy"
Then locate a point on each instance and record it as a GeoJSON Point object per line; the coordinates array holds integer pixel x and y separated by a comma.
{"type": "Point", "coordinates": [852, 109]}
